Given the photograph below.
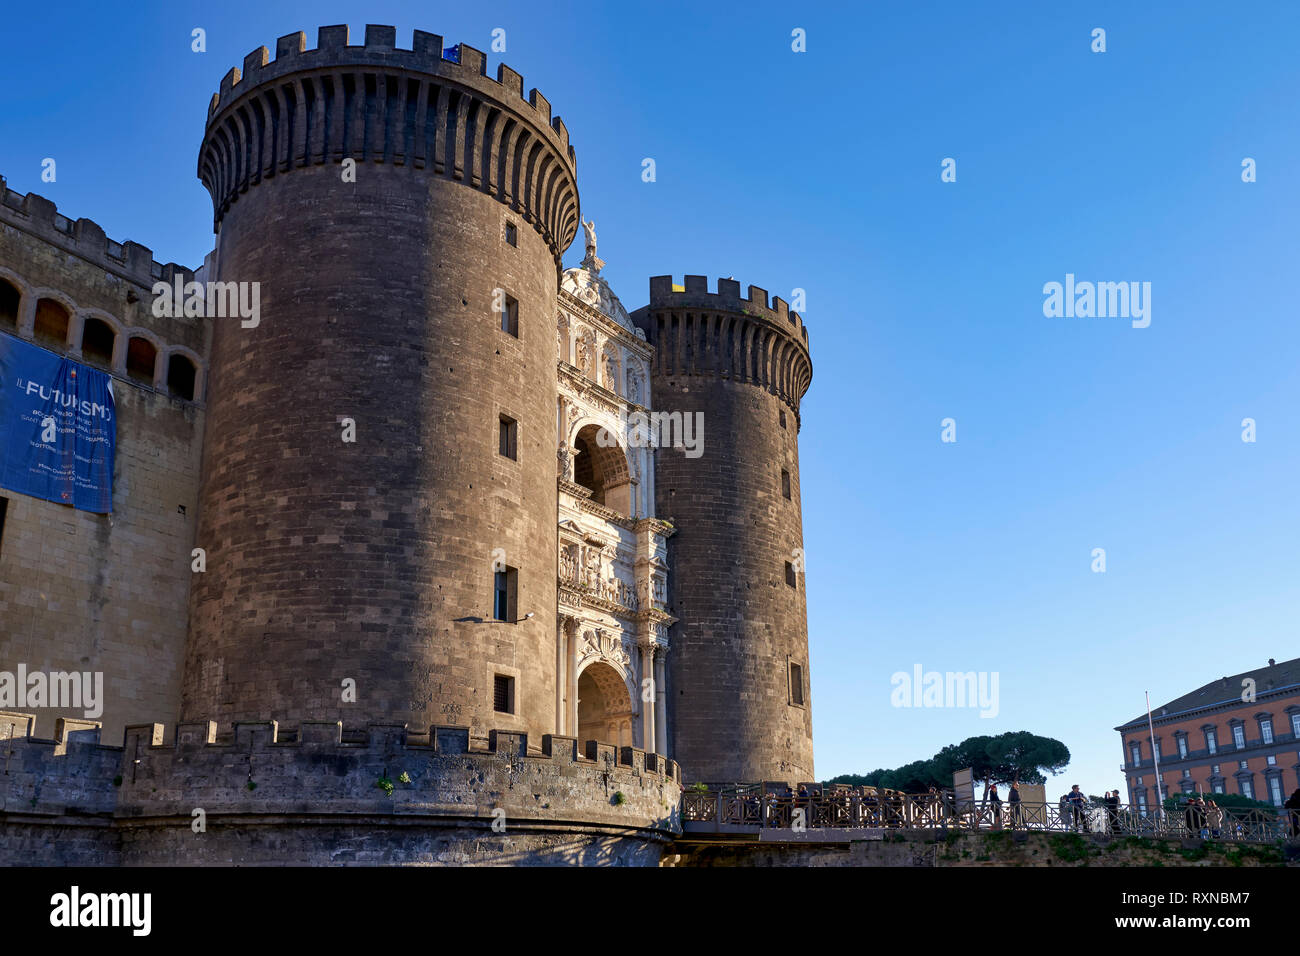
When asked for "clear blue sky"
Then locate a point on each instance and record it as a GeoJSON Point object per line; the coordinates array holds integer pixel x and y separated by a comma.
{"type": "Point", "coordinates": [821, 170]}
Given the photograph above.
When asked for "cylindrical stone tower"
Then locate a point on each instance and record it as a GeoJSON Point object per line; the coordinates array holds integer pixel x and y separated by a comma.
{"type": "Point", "coordinates": [739, 705]}
{"type": "Point", "coordinates": [381, 443]}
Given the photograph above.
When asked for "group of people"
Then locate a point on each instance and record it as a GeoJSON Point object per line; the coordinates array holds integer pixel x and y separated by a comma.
{"type": "Point", "coordinates": [1203, 817]}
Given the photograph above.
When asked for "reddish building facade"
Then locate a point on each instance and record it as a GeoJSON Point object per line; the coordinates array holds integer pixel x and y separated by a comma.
{"type": "Point", "coordinates": [1238, 734]}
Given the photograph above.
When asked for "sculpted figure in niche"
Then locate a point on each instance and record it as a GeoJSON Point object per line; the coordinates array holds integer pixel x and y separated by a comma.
{"type": "Point", "coordinates": [587, 355]}
{"type": "Point", "coordinates": [563, 455]}
{"type": "Point", "coordinates": [611, 371]}
{"type": "Point", "coordinates": [633, 387]}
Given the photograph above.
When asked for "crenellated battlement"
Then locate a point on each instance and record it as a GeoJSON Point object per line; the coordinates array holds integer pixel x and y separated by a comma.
{"type": "Point", "coordinates": [696, 295]}
{"type": "Point", "coordinates": [86, 239]}
{"type": "Point", "coordinates": [328, 789]}
{"type": "Point", "coordinates": [726, 335]}
{"type": "Point", "coordinates": [426, 55]}
{"type": "Point", "coordinates": [334, 765]}
{"type": "Point", "coordinates": [405, 107]}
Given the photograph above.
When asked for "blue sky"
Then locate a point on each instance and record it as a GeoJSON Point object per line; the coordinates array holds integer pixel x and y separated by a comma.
{"type": "Point", "coordinates": [821, 170]}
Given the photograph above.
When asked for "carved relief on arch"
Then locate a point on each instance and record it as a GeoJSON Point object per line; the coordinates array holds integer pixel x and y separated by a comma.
{"type": "Point", "coordinates": [600, 643]}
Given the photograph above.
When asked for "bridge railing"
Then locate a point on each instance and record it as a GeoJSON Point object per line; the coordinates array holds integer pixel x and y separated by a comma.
{"type": "Point", "coordinates": [711, 809]}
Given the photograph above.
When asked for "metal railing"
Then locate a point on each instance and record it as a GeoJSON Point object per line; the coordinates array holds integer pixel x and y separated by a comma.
{"type": "Point", "coordinates": [718, 811]}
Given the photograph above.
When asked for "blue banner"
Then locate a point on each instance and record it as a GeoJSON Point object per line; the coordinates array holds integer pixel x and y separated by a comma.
{"type": "Point", "coordinates": [58, 427]}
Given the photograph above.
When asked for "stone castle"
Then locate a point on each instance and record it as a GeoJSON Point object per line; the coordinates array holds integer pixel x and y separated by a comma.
{"type": "Point", "coordinates": [446, 558]}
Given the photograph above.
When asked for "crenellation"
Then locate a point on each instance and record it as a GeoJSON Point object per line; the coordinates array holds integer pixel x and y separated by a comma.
{"type": "Point", "coordinates": [331, 38]}
{"type": "Point", "coordinates": [472, 61]}
{"type": "Point", "coordinates": [511, 82]}
{"type": "Point", "coordinates": [254, 62]}
{"type": "Point", "coordinates": [380, 38]}
{"type": "Point", "coordinates": [540, 103]}
{"type": "Point", "coordinates": [290, 45]}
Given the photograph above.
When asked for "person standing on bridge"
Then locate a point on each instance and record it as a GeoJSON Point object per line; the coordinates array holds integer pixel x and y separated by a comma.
{"type": "Point", "coordinates": [1078, 808]}
{"type": "Point", "coordinates": [1013, 802]}
{"type": "Point", "coordinates": [1293, 807]}
{"type": "Point", "coordinates": [1112, 811]}
{"type": "Point", "coordinates": [1214, 818]}
{"type": "Point", "coordinates": [996, 802]}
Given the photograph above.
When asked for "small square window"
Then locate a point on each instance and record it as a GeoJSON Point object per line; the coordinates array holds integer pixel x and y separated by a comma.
{"type": "Point", "coordinates": [503, 694]}
{"type": "Point", "coordinates": [512, 233]}
{"type": "Point", "coordinates": [790, 578]}
{"type": "Point", "coordinates": [504, 592]}
{"type": "Point", "coordinates": [796, 684]}
{"type": "Point", "coordinates": [508, 437]}
{"type": "Point", "coordinates": [785, 483]}
{"type": "Point", "coordinates": [510, 316]}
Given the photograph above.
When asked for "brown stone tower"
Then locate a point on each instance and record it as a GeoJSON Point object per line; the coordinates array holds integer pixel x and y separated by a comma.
{"type": "Point", "coordinates": [738, 673]}
{"type": "Point", "coordinates": [373, 560]}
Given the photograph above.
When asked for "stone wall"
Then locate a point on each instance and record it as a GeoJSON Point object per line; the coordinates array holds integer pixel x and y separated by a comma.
{"type": "Point", "coordinates": [315, 798]}
{"type": "Point", "coordinates": [104, 593]}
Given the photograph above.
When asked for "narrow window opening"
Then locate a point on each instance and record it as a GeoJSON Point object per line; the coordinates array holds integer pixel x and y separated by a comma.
{"type": "Point", "coordinates": [505, 586]}
{"type": "Point", "coordinates": [507, 435]}
{"type": "Point", "coordinates": [512, 233]}
{"type": "Point", "coordinates": [97, 340]}
{"type": "Point", "coordinates": [510, 316]}
{"type": "Point", "coordinates": [785, 483]}
{"type": "Point", "coordinates": [51, 329]}
{"type": "Point", "coordinates": [503, 694]}
{"type": "Point", "coordinates": [790, 578]}
{"type": "Point", "coordinates": [180, 377]}
{"type": "Point", "coordinates": [140, 358]}
{"type": "Point", "coordinates": [9, 299]}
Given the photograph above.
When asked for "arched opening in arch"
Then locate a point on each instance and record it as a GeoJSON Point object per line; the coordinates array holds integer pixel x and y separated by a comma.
{"type": "Point", "coordinates": [604, 706]}
{"type": "Point", "coordinates": [140, 359]}
{"type": "Point", "coordinates": [51, 328]}
{"type": "Point", "coordinates": [181, 375]}
{"type": "Point", "coordinates": [9, 299]}
{"type": "Point", "coordinates": [601, 465]}
{"type": "Point", "coordinates": [97, 341]}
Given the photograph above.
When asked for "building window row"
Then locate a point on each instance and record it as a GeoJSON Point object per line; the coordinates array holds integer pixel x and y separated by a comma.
{"type": "Point", "coordinates": [101, 342]}
{"type": "Point", "coordinates": [1240, 741]}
